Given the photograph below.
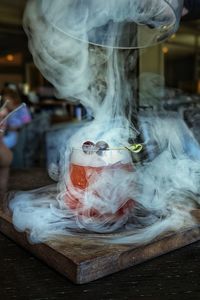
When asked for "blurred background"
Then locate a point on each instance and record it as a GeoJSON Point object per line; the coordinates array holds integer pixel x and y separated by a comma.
{"type": "Point", "coordinates": [174, 64]}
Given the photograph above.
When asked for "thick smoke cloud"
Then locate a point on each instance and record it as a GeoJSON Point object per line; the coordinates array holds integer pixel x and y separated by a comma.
{"type": "Point", "coordinates": [145, 199]}
{"type": "Point", "coordinates": [77, 70]}
{"type": "Point", "coordinates": [164, 191]}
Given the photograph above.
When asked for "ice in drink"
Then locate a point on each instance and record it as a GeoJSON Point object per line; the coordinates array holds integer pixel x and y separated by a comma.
{"type": "Point", "coordinates": [84, 170]}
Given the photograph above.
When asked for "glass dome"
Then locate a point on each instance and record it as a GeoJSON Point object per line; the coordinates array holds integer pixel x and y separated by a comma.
{"type": "Point", "coordinates": [113, 23]}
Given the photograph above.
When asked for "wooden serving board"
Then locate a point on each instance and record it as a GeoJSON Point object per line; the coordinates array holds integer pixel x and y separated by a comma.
{"type": "Point", "coordinates": [82, 260]}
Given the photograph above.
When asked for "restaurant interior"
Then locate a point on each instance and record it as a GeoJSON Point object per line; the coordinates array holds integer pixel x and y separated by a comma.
{"type": "Point", "coordinates": [173, 65]}
{"type": "Point", "coordinates": [165, 79]}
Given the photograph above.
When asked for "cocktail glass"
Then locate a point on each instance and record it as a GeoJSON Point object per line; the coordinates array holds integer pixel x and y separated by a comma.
{"type": "Point", "coordinates": [84, 170]}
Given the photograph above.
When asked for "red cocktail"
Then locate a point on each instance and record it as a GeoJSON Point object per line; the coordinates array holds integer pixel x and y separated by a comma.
{"type": "Point", "coordinates": [84, 170]}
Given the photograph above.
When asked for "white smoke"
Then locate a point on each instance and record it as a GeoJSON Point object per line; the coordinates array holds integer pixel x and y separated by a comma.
{"type": "Point", "coordinates": [155, 195]}
{"type": "Point", "coordinates": [59, 32]}
{"type": "Point", "coordinates": [159, 195]}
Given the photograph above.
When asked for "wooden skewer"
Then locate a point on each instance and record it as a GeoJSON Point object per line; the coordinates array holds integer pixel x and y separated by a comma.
{"type": "Point", "coordinates": [134, 148]}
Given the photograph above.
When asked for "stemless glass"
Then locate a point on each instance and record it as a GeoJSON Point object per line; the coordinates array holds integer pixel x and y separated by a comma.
{"type": "Point", "coordinates": [113, 23]}
{"type": "Point", "coordinates": [83, 167]}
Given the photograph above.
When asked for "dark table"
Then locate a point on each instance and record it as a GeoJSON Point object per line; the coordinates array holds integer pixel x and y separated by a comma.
{"type": "Point", "coordinates": [172, 276]}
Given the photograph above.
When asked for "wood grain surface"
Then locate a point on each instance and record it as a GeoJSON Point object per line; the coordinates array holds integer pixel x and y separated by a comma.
{"type": "Point", "coordinates": [82, 260]}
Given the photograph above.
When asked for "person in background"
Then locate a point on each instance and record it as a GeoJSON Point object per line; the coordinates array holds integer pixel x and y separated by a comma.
{"type": "Point", "coordinates": [5, 162]}
{"type": "Point", "coordinates": [16, 121]}
{"type": "Point", "coordinates": [5, 152]}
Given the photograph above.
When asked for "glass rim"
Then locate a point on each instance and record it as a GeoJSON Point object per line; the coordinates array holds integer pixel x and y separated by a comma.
{"type": "Point", "coordinates": [158, 35]}
{"type": "Point", "coordinates": [95, 150]}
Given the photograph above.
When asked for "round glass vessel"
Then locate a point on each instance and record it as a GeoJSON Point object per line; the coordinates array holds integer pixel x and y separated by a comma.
{"type": "Point", "coordinates": [113, 23]}
{"type": "Point", "coordinates": [86, 170]}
